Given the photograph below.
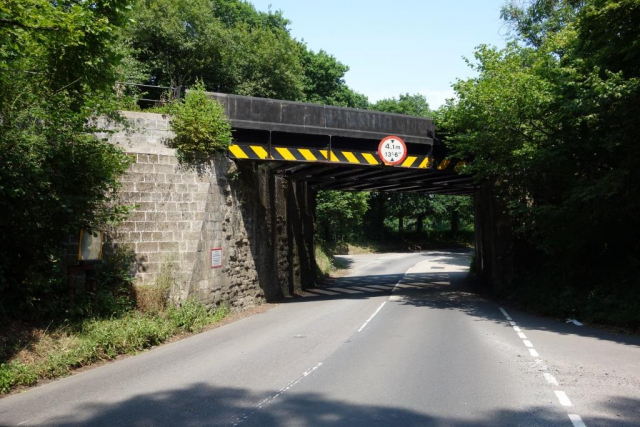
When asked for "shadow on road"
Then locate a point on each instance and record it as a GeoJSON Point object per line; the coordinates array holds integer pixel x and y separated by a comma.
{"type": "Point", "coordinates": [203, 405]}
{"type": "Point", "coordinates": [448, 291]}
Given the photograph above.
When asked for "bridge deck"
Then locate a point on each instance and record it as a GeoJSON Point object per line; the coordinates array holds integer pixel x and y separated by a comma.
{"type": "Point", "coordinates": [336, 147]}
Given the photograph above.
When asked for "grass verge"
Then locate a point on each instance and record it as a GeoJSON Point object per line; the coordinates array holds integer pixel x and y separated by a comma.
{"type": "Point", "coordinates": [52, 354]}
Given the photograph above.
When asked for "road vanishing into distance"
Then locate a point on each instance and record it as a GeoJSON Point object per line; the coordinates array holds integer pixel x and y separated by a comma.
{"type": "Point", "coordinates": [399, 341]}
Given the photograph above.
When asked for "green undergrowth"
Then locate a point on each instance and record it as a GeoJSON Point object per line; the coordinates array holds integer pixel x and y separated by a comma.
{"type": "Point", "coordinates": [326, 263]}
{"type": "Point", "coordinates": [56, 353]}
{"type": "Point", "coordinates": [594, 301]}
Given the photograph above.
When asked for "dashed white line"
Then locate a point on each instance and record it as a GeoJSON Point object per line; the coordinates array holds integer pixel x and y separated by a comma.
{"type": "Point", "coordinates": [561, 395]}
{"type": "Point", "coordinates": [260, 405]}
{"type": "Point", "coordinates": [505, 313]}
{"type": "Point", "coordinates": [550, 379]}
{"type": "Point", "coordinates": [576, 420]}
{"type": "Point", "coordinates": [372, 316]}
{"type": "Point", "coordinates": [392, 297]}
{"type": "Point", "coordinates": [563, 398]}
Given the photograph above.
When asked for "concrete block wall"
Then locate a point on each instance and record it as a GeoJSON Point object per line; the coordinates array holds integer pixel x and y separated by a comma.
{"type": "Point", "coordinates": [182, 213]}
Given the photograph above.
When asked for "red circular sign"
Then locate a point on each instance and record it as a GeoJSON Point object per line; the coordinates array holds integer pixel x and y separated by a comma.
{"type": "Point", "coordinates": [392, 150]}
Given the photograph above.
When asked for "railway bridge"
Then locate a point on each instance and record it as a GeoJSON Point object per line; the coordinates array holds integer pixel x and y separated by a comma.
{"type": "Point", "coordinates": [337, 148]}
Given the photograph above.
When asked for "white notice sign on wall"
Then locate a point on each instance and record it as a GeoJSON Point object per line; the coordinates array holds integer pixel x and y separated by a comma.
{"type": "Point", "coordinates": [216, 257]}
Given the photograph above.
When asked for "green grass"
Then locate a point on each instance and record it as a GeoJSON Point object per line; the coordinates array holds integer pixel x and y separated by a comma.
{"type": "Point", "coordinates": [323, 261]}
{"type": "Point", "coordinates": [58, 352]}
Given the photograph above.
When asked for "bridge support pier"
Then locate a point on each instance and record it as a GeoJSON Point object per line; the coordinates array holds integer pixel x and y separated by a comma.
{"type": "Point", "coordinates": [493, 239]}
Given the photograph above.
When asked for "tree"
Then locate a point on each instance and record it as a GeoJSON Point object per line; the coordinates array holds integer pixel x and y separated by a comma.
{"type": "Point", "coordinates": [552, 120]}
{"type": "Point", "coordinates": [58, 64]}
{"type": "Point", "coordinates": [227, 44]}
{"type": "Point", "coordinates": [324, 81]}
{"type": "Point", "coordinates": [340, 214]}
{"type": "Point", "coordinates": [410, 105]}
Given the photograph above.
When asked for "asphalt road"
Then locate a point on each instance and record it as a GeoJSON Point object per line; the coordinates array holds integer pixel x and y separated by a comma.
{"type": "Point", "coordinates": [400, 341]}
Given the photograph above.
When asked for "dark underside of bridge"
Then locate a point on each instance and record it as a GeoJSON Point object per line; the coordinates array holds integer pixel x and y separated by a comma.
{"type": "Point", "coordinates": [335, 148]}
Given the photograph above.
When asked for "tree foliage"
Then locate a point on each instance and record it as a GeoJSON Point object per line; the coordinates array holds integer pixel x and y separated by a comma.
{"type": "Point", "coordinates": [552, 118]}
{"type": "Point", "coordinates": [234, 48]}
{"type": "Point", "coordinates": [57, 68]}
{"type": "Point", "coordinates": [340, 214]}
{"type": "Point", "coordinates": [411, 105]}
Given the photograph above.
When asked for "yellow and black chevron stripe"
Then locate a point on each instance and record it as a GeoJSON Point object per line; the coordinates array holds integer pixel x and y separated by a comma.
{"type": "Point", "coordinates": [261, 152]}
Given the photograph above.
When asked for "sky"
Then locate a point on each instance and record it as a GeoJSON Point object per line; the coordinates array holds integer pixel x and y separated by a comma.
{"type": "Point", "coordinates": [397, 46]}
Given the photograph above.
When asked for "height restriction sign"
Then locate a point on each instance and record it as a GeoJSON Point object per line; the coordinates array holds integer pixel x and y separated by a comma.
{"type": "Point", "coordinates": [392, 150]}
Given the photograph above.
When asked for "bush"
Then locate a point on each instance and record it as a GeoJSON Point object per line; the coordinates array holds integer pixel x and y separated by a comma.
{"type": "Point", "coordinates": [200, 126]}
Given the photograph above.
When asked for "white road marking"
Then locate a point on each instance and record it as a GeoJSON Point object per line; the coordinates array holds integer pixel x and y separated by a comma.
{"type": "Point", "coordinates": [576, 420]}
{"type": "Point", "coordinates": [260, 405]}
{"type": "Point", "coordinates": [512, 323]}
{"type": "Point", "coordinates": [533, 352]}
{"type": "Point", "coordinates": [378, 260]}
{"type": "Point", "coordinates": [550, 378]}
{"type": "Point", "coordinates": [372, 316]}
{"type": "Point", "coordinates": [522, 336]}
{"type": "Point", "coordinates": [516, 328]}
{"type": "Point", "coordinates": [392, 291]}
{"type": "Point", "coordinates": [527, 343]}
{"type": "Point", "coordinates": [505, 313]}
{"type": "Point", "coordinates": [563, 398]}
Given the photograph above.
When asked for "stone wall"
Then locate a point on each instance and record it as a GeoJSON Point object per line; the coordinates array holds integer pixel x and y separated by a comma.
{"type": "Point", "coordinates": [262, 222]}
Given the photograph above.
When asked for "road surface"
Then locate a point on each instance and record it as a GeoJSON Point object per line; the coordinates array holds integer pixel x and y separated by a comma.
{"type": "Point", "coordinates": [400, 341]}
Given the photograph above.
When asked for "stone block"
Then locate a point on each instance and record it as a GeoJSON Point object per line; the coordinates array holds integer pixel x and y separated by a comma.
{"type": "Point", "coordinates": [136, 216]}
{"type": "Point", "coordinates": [174, 216]}
{"type": "Point", "coordinates": [146, 226]}
{"type": "Point", "coordinates": [200, 197]}
{"type": "Point", "coordinates": [184, 206]}
{"type": "Point", "coordinates": [167, 226]}
{"type": "Point", "coordinates": [166, 206]}
{"type": "Point", "coordinates": [169, 247]}
{"type": "Point", "coordinates": [142, 167]}
{"type": "Point", "coordinates": [142, 158]}
{"type": "Point", "coordinates": [154, 177]}
{"type": "Point", "coordinates": [155, 216]}
{"type": "Point", "coordinates": [130, 197]}
{"type": "Point", "coordinates": [146, 207]}
{"type": "Point", "coordinates": [151, 236]}
{"type": "Point", "coordinates": [173, 178]}
{"type": "Point", "coordinates": [163, 168]}
{"type": "Point", "coordinates": [153, 158]}
{"type": "Point", "coordinates": [165, 187]}
{"type": "Point", "coordinates": [147, 247]}
{"type": "Point", "coordinates": [127, 226]}
{"type": "Point", "coordinates": [145, 187]}
{"type": "Point", "coordinates": [191, 235]}
{"type": "Point", "coordinates": [133, 177]}
{"type": "Point", "coordinates": [128, 186]}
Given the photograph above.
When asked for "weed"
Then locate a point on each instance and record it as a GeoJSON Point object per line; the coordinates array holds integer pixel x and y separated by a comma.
{"type": "Point", "coordinates": [74, 346]}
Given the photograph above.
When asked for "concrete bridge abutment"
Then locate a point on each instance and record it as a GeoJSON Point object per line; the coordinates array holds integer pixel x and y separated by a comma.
{"type": "Point", "coordinates": [261, 222]}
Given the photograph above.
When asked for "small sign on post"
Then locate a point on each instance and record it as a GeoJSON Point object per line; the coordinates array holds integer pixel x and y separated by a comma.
{"type": "Point", "coordinates": [216, 257]}
{"type": "Point", "coordinates": [392, 150]}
